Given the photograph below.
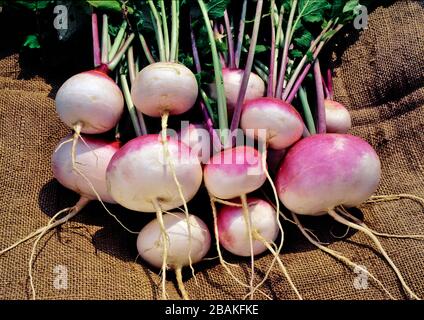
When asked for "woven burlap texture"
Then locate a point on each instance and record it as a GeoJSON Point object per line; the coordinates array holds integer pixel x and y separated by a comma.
{"type": "Point", "coordinates": [379, 76]}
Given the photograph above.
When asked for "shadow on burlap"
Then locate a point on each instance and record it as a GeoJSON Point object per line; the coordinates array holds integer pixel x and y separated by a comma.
{"type": "Point", "coordinates": [379, 77]}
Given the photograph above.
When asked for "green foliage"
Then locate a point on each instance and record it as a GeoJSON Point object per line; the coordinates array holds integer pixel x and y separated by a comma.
{"type": "Point", "coordinates": [216, 8]}
{"type": "Point", "coordinates": [112, 5]}
{"type": "Point", "coordinates": [33, 5]}
{"type": "Point", "coordinates": [32, 42]}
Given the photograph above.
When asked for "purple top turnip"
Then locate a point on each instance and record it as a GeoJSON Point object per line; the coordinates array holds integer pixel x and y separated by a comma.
{"type": "Point", "coordinates": [324, 171]}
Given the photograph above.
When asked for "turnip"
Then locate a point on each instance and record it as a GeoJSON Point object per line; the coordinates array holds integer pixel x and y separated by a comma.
{"type": "Point", "coordinates": [85, 174]}
{"type": "Point", "coordinates": [325, 171]}
{"type": "Point", "coordinates": [160, 89]}
{"type": "Point", "coordinates": [147, 175]}
{"type": "Point", "coordinates": [234, 173]}
{"type": "Point", "coordinates": [164, 88]}
{"type": "Point", "coordinates": [337, 117]}
{"type": "Point", "coordinates": [232, 83]}
{"type": "Point", "coordinates": [138, 175]}
{"type": "Point", "coordinates": [183, 250]}
{"type": "Point", "coordinates": [234, 234]}
{"type": "Point", "coordinates": [282, 124]}
{"type": "Point", "coordinates": [91, 102]}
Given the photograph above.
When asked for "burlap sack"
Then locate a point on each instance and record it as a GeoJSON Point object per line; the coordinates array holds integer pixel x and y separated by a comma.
{"type": "Point", "coordinates": [379, 76]}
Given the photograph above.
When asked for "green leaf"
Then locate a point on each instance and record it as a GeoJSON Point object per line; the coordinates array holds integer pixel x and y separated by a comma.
{"type": "Point", "coordinates": [32, 42]}
{"type": "Point", "coordinates": [261, 48]}
{"type": "Point", "coordinates": [350, 6]}
{"type": "Point", "coordinates": [34, 5]}
{"type": "Point", "coordinates": [304, 40]}
{"type": "Point", "coordinates": [216, 8]}
{"type": "Point", "coordinates": [113, 5]}
{"type": "Point", "coordinates": [312, 10]}
{"type": "Point", "coordinates": [296, 53]}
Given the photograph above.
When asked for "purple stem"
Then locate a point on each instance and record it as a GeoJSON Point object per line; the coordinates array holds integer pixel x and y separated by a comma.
{"type": "Point", "coordinates": [330, 83]}
{"type": "Point", "coordinates": [96, 41]}
{"type": "Point", "coordinates": [298, 69]}
{"type": "Point", "coordinates": [324, 85]}
{"type": "Point", "coordinates": [270, 88]}
{"type": "Point", "coordinates": [321, 121]}
{"type": "Point", "coordinates": [248, 67]}
{"type": "Point", "coordinates": [302, 76]}
{"type": "Point", "coordinates": [241, 33]}
{"type": "Point", "coordinates": [230, 40]}
{"type": "Point", "coordinates": [207, 118]}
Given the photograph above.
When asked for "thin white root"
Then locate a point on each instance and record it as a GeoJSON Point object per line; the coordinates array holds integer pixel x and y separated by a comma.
{"type": "Point", "coordinates": [392, 197]}
{"type": "Point", "coordinates": [277, 210]}
{"type": "Point", "coordinates": [259, 237]}
{"type": "Point", "coordinates": [170, 162]}
{"type": "Point", "coordinates": [165, 244]}
{"type": "Point", "coordinates": [228, 203]}
{"type": "Point", "coordinates": [53, 223]}
{"type": "Point", "coordinates": [180, 283]}
{"type": "Point", "coordinates": [52, 226]}
{"type": "Point", "coordinates": [339, 257]}
{"type": "Point", "coordinates": [248, 221]}
{"type": "Point", "coordinates": [218, 249]}
{"type": "Point", "coordinates": [365, 230]}
{"type": "Point", "coordinates": [77, 135]}
{"type": "Point", "coordinates": [348, 215]}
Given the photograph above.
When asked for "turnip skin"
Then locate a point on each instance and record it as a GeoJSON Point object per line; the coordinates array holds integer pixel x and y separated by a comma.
{"type": "Point", "coordinates": [327, 170]}
{"type": "Point", "coordinates": [234, 172]}
{"type": "Point", "coordinates": [92, 99]}
{"type": "Point", "coordinates": [149, 243]}
{"type": "Point", "coordinates": [283, 123]}
{"type": "Point", "coordinates": [233, 233]}
{"type": "Point", "coordinates": [232, 83]}
{"type": "Point", "coordinates": [337, 117]}
{"type": "Point", "coordinates": [197, 138]}
{"type": "Point", "coordinates": [138, 174]}
{"type": "Point", "coordinates": [164, 87]}
{"type": "Point", "coordinates": [91, 160]}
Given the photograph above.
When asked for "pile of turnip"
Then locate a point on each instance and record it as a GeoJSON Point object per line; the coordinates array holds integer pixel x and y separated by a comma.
{"type": "Point", "coordinates": [261, 116]}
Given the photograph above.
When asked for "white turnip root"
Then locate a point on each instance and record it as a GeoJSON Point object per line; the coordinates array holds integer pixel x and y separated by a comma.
{"type": "Point", "coordinates": [233, 234]}
{"type": "Point", "coordinates": [182, 249]}
{"type": "Point", "coordinates": [164, 87]}
{"type": "Point", "coordinates": [324, 171]}
{"type": "Point", "coordinates": [282, 123]}
{"type": "Point", "coordinates": [232, 83]}
{"type": "Point", "coordinates": [90, 100]}
{"type": "Point", "coordinates": [138, 175]}
{"type": "Point", "coordinates": [92, 156]}
{"type": "Point", "coordinates": [337, 117]}
{"type": "Point", "coordinates": [234, 172]}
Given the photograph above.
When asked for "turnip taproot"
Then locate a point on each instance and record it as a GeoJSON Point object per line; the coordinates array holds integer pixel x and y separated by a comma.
{"type": "Point", "coordinates": [184, 248]}
{"type": "Point", "coordinates": [325, 171]}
